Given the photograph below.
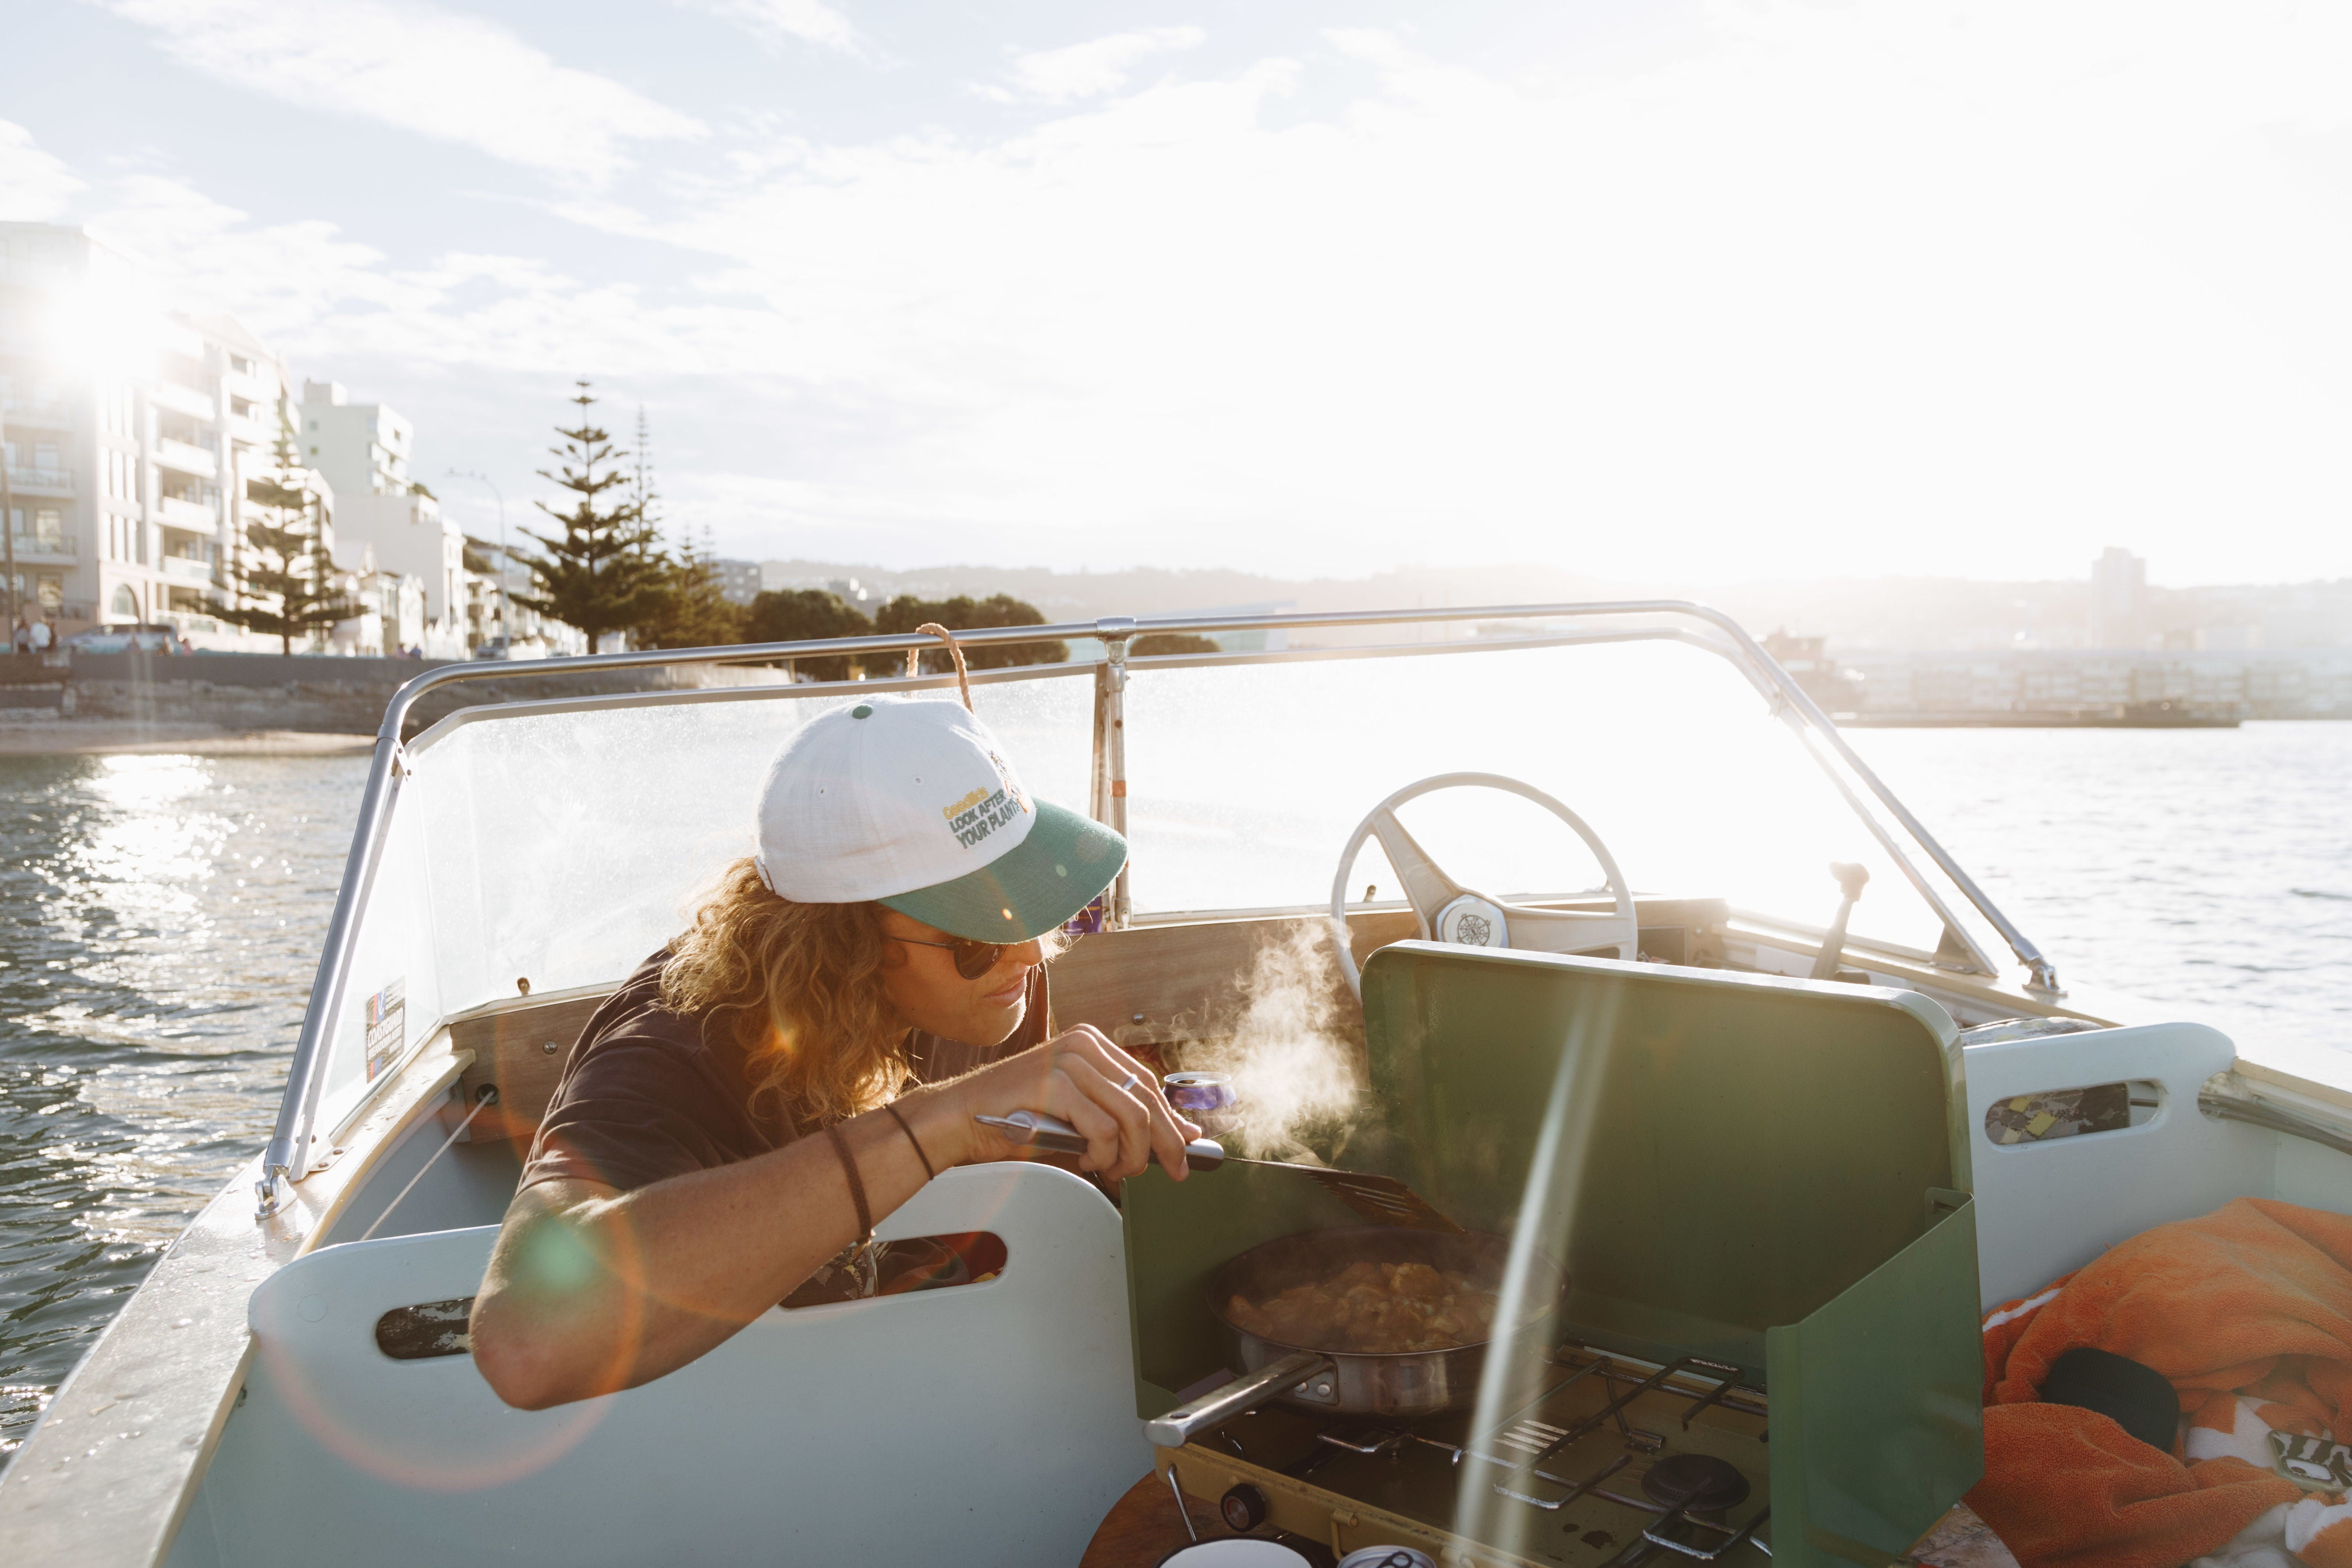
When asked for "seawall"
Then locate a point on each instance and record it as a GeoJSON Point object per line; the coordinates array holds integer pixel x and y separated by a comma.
{"type": "Point", "coordinates": [234, 694]}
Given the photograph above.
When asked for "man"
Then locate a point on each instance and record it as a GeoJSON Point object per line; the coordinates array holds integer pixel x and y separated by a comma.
{"type": "Point", "coordinates": [809, 1054]}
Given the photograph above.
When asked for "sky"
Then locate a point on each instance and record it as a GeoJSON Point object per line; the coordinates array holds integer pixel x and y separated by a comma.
{"type": "Point", "coordinates": [1662, 292]}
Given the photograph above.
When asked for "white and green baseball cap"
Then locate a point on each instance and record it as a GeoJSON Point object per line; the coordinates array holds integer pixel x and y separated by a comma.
{"type": "Point", "coordinates": [909, 802]}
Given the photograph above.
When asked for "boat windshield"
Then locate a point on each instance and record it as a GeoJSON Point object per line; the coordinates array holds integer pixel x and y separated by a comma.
{"type": "Point", "coordinates": [1245, 783]}
{"type": "Point", "coordinates": [560, 845]}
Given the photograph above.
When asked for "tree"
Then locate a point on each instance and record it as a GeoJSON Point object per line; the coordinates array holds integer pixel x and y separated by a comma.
{"type": "Point", "coordinates": [686, 605]}
{"type": "Point", "coordinates": [690, 607]}
{"type": "Point", "coordinates": [962, 612]}
{"type": "Point", "coordinates": [285, 588]}
{"type": "Point", "coordinates": [801, 615]}
{"type": "Point", "coordinates": [1172, 642]}
{"type": "Point", "coordinates": [603, 573]}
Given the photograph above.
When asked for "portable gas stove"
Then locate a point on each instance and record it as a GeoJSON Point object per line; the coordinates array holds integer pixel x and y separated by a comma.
{"type": "Point", "coordinates": [1613, 1462]}
{"type": "Point", "coordinates": [1718, 1239]}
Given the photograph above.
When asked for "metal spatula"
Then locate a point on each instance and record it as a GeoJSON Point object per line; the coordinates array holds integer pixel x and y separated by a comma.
{"type": "Point", "coordinates": [1384, 1200]}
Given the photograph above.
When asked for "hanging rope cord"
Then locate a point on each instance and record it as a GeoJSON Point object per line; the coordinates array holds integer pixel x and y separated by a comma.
{"type": "Point", "coordinates": [915, 660]}
{"type": "Point", "coordinates": [484, 1098]}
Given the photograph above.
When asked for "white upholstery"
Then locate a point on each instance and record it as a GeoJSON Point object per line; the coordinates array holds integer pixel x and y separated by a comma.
{"type": "Point", "coordinates": [993, 1423]}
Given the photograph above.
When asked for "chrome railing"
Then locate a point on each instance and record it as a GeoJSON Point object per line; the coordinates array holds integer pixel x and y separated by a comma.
{"type": "Point", "coordinates": [290, 1154]}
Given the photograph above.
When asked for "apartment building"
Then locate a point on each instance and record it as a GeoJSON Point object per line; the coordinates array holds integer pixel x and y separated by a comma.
{"type": "Point", "coordinates": [131, 433]}
{"type": "Point", "coordinates": [383, 520]}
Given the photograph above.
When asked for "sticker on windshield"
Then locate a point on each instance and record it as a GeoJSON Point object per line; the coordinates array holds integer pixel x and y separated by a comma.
{"type": "Point", "coordinates": [387, 1026]}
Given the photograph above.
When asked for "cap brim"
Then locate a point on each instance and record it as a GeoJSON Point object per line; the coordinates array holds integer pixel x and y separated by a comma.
{"type": "Point", "coordinates": [1028, 890]}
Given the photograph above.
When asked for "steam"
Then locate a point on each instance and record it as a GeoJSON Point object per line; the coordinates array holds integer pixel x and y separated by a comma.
{"type": "Point", "coordinates": [1294, 1050]}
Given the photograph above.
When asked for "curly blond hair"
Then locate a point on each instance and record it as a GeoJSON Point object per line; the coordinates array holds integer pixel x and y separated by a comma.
{"type": "Point", "coordinates": [800, 985]}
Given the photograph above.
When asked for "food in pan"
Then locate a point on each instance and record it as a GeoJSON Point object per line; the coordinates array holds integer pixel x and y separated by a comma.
{"type": "Point", "coordinates": [1373, 1309]}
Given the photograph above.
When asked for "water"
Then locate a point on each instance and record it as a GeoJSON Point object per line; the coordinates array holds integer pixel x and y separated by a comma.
{"type": "Point", "coordinates": [160, 920]}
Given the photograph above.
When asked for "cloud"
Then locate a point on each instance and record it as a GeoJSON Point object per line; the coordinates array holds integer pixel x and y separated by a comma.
{"type": "Point", "coordinates": [809, 21]}
{"type": "Point", "coordinates": [1869, 286]}
{"type": "Point", "coordinates": [35, 187]}
{"type": "Point", "coordinates": [1094, 70]}
{"type": "Point", "coordinates": [1974, 288]}
{"type": "Point", "coordinates": [435, 72]}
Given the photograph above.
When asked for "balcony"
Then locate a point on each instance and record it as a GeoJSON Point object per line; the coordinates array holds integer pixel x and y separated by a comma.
{"type": "Point", "coordinates": [181, 399]}
{"type": "Point", "coordinates": [174, 512]}
{"type": "Point", "coordinates": [185, 458]}
{"type": "Point", "coordinates": [49, 413]}
{"type": "Point", "coordinates": [33, 548]}
{"type": "Point", "coordinates": [42, 481]}
{"type": "Point", "coordinates": [187, 569]}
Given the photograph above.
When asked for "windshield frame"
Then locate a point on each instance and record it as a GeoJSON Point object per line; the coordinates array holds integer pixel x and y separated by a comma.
{"type": "Point", "coordinates": [289, 1154]}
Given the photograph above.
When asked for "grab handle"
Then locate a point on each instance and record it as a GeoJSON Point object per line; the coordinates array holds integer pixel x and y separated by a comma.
{"type": "Point", "coordinates": [1178, 1427]}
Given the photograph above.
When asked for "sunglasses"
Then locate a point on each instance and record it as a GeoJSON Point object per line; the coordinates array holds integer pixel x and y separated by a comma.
{"type": "Point", "coordinates": [973, 959]}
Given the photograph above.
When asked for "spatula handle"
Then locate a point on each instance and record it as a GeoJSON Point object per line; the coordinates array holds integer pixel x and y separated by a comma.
{"type": "Point", "coordinates": [1040, 1131]}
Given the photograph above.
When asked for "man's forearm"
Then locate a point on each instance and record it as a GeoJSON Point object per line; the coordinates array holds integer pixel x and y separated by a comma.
{"type": "Point", "coordinates": [614, 1291]}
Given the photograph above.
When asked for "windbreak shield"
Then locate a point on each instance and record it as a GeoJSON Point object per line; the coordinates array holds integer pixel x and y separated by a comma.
{"type": "Point", "coordinates": [564, 847]}
{"type": "Point", "coordinates": [1245, 783]}
{"type": "Point", "coordinates": [392, 992]}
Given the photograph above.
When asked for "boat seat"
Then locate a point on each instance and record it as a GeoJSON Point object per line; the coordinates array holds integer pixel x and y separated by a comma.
{"type": "Point", "coordinates": [2047, 1207]}
{"type": "Point", "coordinates": [991, 1423]}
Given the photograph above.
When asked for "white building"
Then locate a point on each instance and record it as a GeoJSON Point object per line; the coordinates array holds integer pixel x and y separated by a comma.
{"type": "Point", "coordinates": [131, 433]}
{"type": "Point", "coordinates": [2118, 599]}
{"type": "Point", "coordinates": [739, 581]}
{"type": "Point", "coordinates": [497, 619]}
{"type": "Point", "coordinates": [381, 516]}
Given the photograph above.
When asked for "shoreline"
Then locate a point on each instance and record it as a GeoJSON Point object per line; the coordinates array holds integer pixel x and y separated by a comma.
{"type": "Point", "coordinates": [55, 737]}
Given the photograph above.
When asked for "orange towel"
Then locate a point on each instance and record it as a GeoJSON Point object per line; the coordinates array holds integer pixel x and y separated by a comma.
{"type": "Point", "coordinates": [2249, 1311]}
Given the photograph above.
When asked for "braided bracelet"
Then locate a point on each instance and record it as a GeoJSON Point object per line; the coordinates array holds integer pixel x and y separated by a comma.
{"type": "Point", "coordinates": [856, 1184]}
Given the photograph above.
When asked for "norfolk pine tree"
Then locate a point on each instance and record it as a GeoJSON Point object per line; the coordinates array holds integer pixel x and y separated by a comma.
{"type": "Point", "coordinates": [687, 608]}
{"type": "Point", "coordinates": [604, 571]}
{"type": "Point", "coordinates": [297, 595]}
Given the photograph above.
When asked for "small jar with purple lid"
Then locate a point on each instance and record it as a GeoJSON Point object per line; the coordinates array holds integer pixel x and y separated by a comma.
{"type": "Point", "coordinates": [1205, 1098]}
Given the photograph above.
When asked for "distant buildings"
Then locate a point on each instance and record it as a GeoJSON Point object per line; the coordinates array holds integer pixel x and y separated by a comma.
{"type": "Point", "coordinates": [739, 581]}
{"type": "Point", "coordinates": [2304, 684]}
{"type": "Point", "coordinates": [2118, 599]}
{"type": "Point", "coordinates": [134, 435]}
{"type": "Point", "coordinates": [384, 522]}
{"type": "Point", "coordinates": [130, 436]}
{"type": "Point", "coordinates": [2202, 658]}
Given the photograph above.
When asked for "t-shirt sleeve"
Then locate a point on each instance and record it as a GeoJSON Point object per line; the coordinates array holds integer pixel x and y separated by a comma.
{"type": "Point", "coordinates": [635, 1112]}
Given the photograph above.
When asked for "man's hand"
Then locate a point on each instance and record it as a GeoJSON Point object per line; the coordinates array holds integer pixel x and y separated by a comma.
{"type": "Point", "coordinates": [1111, 1097]}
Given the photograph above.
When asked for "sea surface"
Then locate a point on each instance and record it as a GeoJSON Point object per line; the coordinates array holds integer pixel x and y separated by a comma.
{"type": "Point", "coordinates": [160, 920]}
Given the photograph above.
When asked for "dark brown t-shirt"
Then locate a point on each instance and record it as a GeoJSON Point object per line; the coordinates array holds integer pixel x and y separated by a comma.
{"type": "Point", "coordinates": [648, 1093]}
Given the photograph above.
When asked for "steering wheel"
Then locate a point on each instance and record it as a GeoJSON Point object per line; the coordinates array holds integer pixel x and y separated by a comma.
{"type": "Point", "coordinates": [1451, 912]}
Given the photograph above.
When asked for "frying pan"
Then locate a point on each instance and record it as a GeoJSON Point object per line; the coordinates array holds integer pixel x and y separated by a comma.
{"type": "Point", "coordinates": [1406, 1385]}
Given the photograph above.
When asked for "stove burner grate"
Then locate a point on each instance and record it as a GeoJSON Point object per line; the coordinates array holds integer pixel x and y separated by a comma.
{"type": "Point", "coordinates": [1698, 1482]}
{"type": "Point", "coordinates": [1685, 1493]}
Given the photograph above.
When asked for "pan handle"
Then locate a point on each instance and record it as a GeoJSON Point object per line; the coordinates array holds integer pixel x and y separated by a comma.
{"type": "Point", "coordinates": [1178, 1427]}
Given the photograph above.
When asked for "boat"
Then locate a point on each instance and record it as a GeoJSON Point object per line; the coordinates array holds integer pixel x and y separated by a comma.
{"type": "Point", "coordinates": [1803, 1018]}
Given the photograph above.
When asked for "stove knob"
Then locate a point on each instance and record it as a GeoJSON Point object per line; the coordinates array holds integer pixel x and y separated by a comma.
{"type": "Point", "coordinates": [1244, 1507]}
